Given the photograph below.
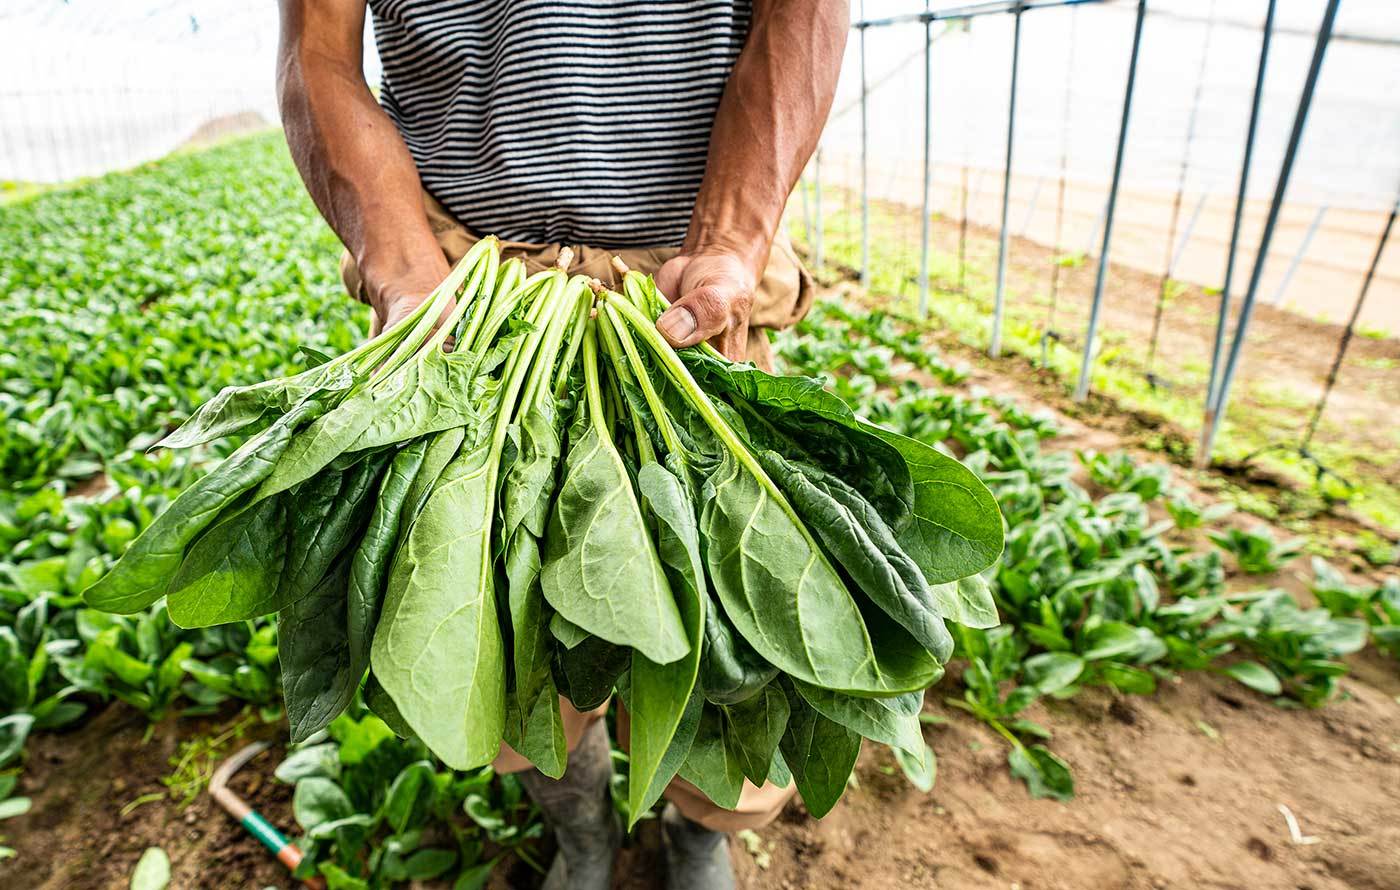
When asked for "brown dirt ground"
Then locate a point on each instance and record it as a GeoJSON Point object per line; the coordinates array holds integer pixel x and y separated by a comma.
{"type": "Point", "coordinates": [77, 838]}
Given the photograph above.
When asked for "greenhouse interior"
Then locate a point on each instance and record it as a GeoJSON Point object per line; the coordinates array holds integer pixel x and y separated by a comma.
{"type": "Point", "coordinates": [700, 444]}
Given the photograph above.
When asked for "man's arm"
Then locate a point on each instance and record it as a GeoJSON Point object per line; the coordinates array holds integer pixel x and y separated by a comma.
{"type": "Point", "coordinates": [354, 162]}
{"type": "Point", "coordinates": [766, 127]}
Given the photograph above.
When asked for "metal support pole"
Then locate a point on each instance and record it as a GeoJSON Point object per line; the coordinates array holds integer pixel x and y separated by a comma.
{"type": "Point", "coordinates": [1000, 307]}
{"type": "Point", "coordinates": [1350, 329]}
{"type": "Point", "coordinates": [928, 164]}
{"type": "Point", "coordinates": [1300, 120]}
{"type": "Point", "coordinates": [864, 165]}
{"type": "Point", "coordinates": [1298, 257]}
{"type": "Point", "coordinates": [1081, 389]}
{"type": "Point", "coordinates": [1186, 235]}
{"type": "Point", "coordinates": [817, 208]}
{"type": "Point", "coordinates": [1217, 353]}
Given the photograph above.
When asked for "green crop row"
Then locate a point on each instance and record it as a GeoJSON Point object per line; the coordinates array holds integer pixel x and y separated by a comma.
{"type": "Point", "coordinates": [135, 298]}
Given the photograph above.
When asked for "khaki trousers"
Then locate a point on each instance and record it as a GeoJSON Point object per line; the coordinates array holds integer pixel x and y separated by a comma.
{"type": "Point", "coordinates": [783, 297]}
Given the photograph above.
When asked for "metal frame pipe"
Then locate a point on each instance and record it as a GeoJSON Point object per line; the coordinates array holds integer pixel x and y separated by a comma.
{"type": "Point", "coordinates": [928, 165]}
{"type": "Point", "coordinates": [1186, 234]}
{"type": "Point", "coordinates": [1350, 329]}
{"type": "Point", "coordinates": [1081, 389]}
{"type": "Point", "coordinates": [1000, 306]}
{"type": "Point", "coordinates": [1300, 120]}
{"type": "Point", "coordinates": [1217, 353]}
{"type": "Point", "coordinates": [1298, 256]}
{"type": "Point", "coordinates": [968, 11]}
{"type": "Point", "coordinates": [864, 165]}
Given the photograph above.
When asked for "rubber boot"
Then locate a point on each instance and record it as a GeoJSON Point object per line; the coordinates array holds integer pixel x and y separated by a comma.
{"type": "Point", "coordinates": [696, 857]}
{"type": "Point", "coordinates": [577, 807]}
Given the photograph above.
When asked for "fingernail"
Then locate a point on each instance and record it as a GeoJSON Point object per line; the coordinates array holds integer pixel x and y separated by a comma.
{"type": "Point", "coordinates": [676, 323]}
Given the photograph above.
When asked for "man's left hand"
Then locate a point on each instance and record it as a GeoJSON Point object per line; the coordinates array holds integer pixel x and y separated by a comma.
{"type": "Point", "coordinates": [712, 296]}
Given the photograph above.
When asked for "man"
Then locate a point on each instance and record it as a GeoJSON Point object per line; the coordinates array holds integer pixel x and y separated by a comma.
{"type": "Point", "coordinates": [670, 133]}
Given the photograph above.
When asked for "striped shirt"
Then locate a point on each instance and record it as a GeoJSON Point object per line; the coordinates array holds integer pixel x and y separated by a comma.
{"type": "Point", "coordinates": [583, 122]}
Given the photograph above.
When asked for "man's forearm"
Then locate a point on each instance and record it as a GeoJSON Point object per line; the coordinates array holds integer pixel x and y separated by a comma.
{"type": "Point", "coordinates": [354, 162]}
{"type": "Point", "coordinates": [767, 126]}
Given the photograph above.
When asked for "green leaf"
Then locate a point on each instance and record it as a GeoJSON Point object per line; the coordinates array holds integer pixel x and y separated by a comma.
{"type": "Point", "coordinates": [317, 683]}
{"type": "Point", "coordinates": [820, 754]}
{"type": "Point", "coordinates": [475, 877]}
{"type": "Point", "coordinates": [753, 730]}
{"type": "Point", "coordinates": [438, 650]}
{"type": "Point", "coordinates": [920, 769]}
{"type": "Point", "coordinates": [317, 760]}
{"type": "Point", "coordinates": [892, 721]}
{"type": "Point", "coordinates": [712, 765]}
{"type": "Point", "coordinates": [338, 878]}
{"type": "Point", "coordinates": [429, 863]}
{"type": "Point", "coordinates": [660, 693]}
{"type": "Point", "coordinates": [152, 870]}
{"type": "Point", "coordinates": [1044, 774]}
{"type": "Point", "coordinates": [409, 796]}
{"type": "Point", "coordinates": [967, 601]}
{"type": "Point", "coordinates": [140, 577]}
{"type": "Point", "coordinates": [14, 806]}
{"type": "Point", "coordinates": [788, 602]}
{"type": "Point", "coordinates": [1049, 672]}
{"type": "Point", "coordinates": [957, 527]}
{"type": "Point", "coordinates": [601, 571]}
{"type": "Point", "coordinates": [1126, 678]}
{"type": "Point", "coordinates": [1256, 676]}
{"type": "Point", "coordinates": [319, 800]}
{"type": "Point", "coordinates": [856, 537]}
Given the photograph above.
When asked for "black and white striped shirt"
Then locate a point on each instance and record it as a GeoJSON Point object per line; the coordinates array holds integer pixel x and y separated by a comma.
{"type": "Point", "coordinates": [577, 122]}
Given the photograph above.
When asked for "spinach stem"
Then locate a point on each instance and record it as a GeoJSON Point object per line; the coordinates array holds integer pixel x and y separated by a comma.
{"type": "Point", "coordinates": [658, 408]}
{"type": "Point", "coordinates": [691, 391]}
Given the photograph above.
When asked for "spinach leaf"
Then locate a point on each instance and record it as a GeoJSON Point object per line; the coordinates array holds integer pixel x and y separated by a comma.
{"type": "Point", "coordinates": [140, 577]}
{"type": "Point", "coordinates": [675, 756]}
{"type": "Point", "coordinates": [820, 753]}
{"type": "Point", "coordinates": [587, 673]}
{"type": "Point", "coordinates": [752, 730]}
{"type": "Point", "coordinates": [786, 599]}
{"type": "Point", "coordinates": [330, 509]}
{"type": "Point", "coordinates": [892, 721]}
{"type": "Point", "coordinates": [601, 570]}
{"type": "Point", "coordinates": [317, 682]}
{"type": "Point", "coordinates": [437, 649]}
{"type": "Point", "coordinates": [369, 568]}
{"type": "Point", "coordinates": [730, 671]}
{"type": "Point", "coordinates": [956, 530]}
{"type": "Point", "coordinates": [856, 536]}
{"type": "Point", "coordinates": [712, 765]}
{"type": "Point", "coordinates": [660, 693]}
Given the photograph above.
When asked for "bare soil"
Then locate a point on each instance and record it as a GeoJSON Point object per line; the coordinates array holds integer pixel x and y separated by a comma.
{"type": "Point", "coordinates": [77, 836]}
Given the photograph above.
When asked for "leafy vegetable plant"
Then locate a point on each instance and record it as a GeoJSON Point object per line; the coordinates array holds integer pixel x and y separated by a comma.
{"type": "Point", "coordinates": [564, 504]}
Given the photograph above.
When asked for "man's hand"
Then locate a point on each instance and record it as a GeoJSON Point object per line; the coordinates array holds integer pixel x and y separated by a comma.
{"type": "Point", "coordinates": [395, 297]}
{"type": "Point", "coordinates": [712, 294]}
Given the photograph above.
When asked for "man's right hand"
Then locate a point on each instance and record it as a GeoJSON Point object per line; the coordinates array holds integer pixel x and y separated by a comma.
{"type": "Point", "coordinates": [394, 297]}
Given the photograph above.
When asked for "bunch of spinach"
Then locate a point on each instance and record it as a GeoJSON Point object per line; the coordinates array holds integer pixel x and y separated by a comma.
{"type": "Point", "coordinates": [563, 504]}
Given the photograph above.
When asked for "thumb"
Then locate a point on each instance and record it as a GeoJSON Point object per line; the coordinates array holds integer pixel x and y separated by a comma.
{"type": "Point", "coordinates": [699, 315]}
